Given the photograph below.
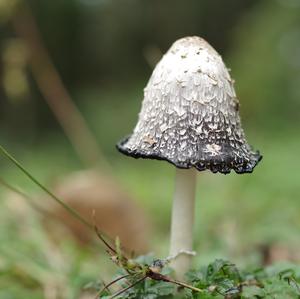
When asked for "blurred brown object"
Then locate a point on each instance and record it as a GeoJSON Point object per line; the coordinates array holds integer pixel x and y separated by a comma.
{"type": "Point", "coordinates": [272, 253]}
{"type": "Point", "coordinates": [116, 214]}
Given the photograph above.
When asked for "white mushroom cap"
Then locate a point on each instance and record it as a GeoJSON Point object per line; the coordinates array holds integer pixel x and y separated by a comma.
{"type": "Point", "coordinates": [189, 115]}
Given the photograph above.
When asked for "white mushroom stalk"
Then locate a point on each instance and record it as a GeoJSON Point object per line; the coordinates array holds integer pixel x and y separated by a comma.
{"type": "Point", "coordinates": [190, 118]}
{"type": "Point", "coordinates": [181, 244]}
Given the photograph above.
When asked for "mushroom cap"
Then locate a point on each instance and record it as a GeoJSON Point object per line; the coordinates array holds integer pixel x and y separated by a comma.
{"type": "Point", "coordinates": [190, 113]}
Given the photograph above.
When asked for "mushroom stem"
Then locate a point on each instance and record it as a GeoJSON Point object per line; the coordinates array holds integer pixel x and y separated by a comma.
{"type": "Point", "coordinates": [183, 221]}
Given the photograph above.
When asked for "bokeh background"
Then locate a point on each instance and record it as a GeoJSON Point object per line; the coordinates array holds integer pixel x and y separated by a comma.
{"type": "Point", "coordinates": [72, 79]}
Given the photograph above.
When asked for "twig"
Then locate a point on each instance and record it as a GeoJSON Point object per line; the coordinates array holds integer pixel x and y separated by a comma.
{"type": "Point", "coordinates": [161, 277]}
{"type": "Point", "coordinates": [129, 287]}
{"type": "Point", "coordinates": [185, 285]}
{"type": "Point", "coordinates": [110, 284]}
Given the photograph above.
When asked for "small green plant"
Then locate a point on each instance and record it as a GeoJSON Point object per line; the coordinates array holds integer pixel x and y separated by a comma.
{"type": "Point", "coordinates": [220, 279]}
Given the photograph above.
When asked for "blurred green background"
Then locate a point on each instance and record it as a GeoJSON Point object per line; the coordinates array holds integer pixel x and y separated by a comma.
{"type": "Point", "coordinates": [98, 56]}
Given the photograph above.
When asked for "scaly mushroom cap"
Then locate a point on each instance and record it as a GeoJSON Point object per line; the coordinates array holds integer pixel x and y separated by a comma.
{"type": "Point", "coordinates": [190, 113]}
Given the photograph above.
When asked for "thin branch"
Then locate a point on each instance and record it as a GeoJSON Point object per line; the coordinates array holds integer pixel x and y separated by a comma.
{"type": "Point", "coordinates": [185, 285]}
{"type": "Point", "coordinates": [160, 277]}
{"type": "Point", "coordinates": [106, 287]}
{"type": "Point", "coordinates": [128, 288]}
